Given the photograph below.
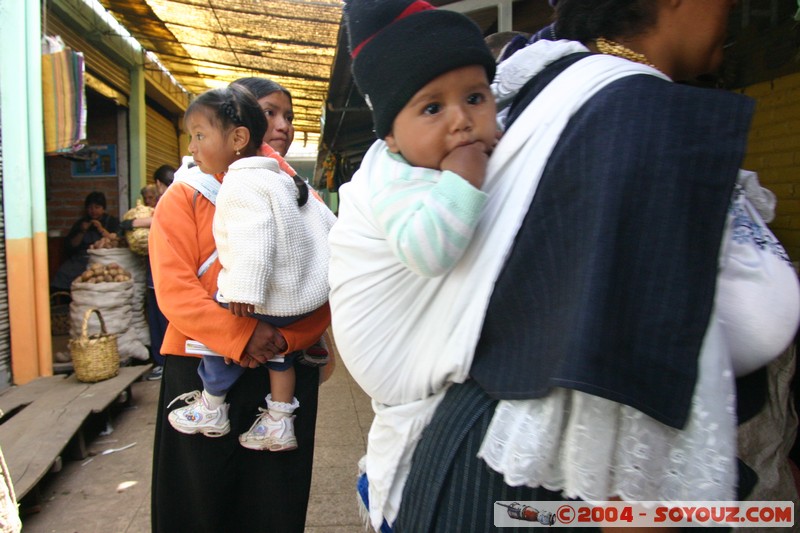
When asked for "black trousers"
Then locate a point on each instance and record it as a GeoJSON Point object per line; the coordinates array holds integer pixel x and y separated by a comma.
{"type": "Point", "coordinates": [449, 489]}
{"type": "Point", "coordinates": [203, 484]}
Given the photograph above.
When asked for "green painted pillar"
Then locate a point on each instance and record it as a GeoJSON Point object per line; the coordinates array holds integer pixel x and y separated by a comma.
{"type": "Point", "coordinates": [21, 114]}
{"type": "Point", "coordinates": [138, 133]}
{"type": "Point", "coordinates": [24, 189]}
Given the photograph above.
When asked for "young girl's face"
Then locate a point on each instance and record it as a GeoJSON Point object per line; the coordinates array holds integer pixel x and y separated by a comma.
{"type": "Point", "coordinates": [453, 110]}
{"type": "Point", "coordinates": [211, 147]}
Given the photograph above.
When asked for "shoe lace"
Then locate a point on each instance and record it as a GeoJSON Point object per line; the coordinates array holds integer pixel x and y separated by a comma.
{"type": "Point", "coordinates": [262, 413]}
{"type": "Point", "coordinates": [188, 397]}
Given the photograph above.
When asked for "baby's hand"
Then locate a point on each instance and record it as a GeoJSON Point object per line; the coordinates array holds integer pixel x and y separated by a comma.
{"type": "Point", "coordinates": [240, 309]}
{"type": "Point", "coordinates": [469, 162]}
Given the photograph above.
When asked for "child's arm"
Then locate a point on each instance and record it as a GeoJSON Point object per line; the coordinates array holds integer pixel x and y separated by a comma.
{"type": "Point", "coordinates": [428, 216]}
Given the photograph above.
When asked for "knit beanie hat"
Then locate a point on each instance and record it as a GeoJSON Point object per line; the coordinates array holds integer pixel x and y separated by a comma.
{"type": "Point", "coordinates": [398, 46]}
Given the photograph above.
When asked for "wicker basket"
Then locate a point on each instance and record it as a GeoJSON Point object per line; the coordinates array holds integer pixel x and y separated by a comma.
{"type": "Point", "coordinates": [94, 357]}
{"type": "Point", "coordinates": [59, 314]}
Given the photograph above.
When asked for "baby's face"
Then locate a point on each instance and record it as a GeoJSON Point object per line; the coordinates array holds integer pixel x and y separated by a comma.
{"type": "Point", "coordinates": [453, 110]}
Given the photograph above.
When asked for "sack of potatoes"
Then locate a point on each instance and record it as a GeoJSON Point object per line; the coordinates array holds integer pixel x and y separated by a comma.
{"type": "Point", "coordinates": [97, 273]}
{"type": "Point", "coordinates": [111, 240]}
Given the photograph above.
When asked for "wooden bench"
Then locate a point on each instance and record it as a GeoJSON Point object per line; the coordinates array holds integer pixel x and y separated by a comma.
{"type": "Point", "coordinates": [44, 417]}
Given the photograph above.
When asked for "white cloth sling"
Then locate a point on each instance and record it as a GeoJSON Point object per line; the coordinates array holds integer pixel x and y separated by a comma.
{"type": "Point", "coordinates": [205, 184]}
{"type": "Point", "coordinates": [406, 351]}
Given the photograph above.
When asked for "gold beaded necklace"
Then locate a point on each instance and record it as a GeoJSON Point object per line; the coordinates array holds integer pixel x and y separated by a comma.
{"type": "Point", "coordinates": [604, 46]}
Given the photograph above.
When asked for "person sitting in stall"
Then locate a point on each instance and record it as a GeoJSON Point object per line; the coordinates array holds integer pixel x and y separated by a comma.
{"type": "Point", "coordinates": [90, 228]}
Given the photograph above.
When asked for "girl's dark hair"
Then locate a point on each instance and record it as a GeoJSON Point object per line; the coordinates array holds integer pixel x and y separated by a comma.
{"type": "Point", "coordinates": [165, 174]}
{"type": "Point", "coordinates": [302, 190]}
{"type": "Point", "coordinates": [231, 107]}
{"type": "Point", "coordinates": [261, 87]}
{"type": "Point", "coordinates": [95, 198]}
{"type": "Point", "coordinates": [586, 20]}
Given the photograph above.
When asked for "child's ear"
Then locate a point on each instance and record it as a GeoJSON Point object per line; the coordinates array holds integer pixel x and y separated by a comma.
{"type": "Point", "coordinates": [391, 143]}
{"type": "Point", "coordinates": [241, 138]}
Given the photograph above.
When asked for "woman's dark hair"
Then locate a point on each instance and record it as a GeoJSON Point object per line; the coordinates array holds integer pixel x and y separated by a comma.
{"type": "Point", "coordinates": [586, 20]}
{"type": "Point", "coordinates": [95, 198]}
{"type": "Point", "coordinates": [231, 107]}
{"type": "Point", "coordinates": [165, 174]}
{"type": "Point", "coordinates": [261, 87]}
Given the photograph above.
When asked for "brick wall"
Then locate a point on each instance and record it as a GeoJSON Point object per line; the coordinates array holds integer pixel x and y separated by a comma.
{"type": "Point", "coordinates": [65, 194]}
{"type": "Point", "coordinates": [774, 152]}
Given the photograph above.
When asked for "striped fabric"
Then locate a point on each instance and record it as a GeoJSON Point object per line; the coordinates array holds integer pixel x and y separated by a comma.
{"type": "Point", "coordinates": [63, 100]}
{"type": "Point", "coordinates": [428, 216]}
{"type": "Point", "coordinates": [449, 488]}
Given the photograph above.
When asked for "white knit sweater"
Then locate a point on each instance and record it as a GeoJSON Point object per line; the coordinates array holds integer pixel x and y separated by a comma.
{"type": "Point", "coordinates": [274, 253]}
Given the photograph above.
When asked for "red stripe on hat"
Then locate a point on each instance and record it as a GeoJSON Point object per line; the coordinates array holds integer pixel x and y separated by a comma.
{"type": "Point", "coordinates": [414, 7]}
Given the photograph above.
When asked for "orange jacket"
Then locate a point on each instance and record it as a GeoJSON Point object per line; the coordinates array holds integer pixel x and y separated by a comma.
{"type": "Point", "coordinates": [180, 242]}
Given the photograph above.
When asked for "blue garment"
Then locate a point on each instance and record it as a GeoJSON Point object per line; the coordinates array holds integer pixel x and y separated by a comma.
{"type": "Point", "coordinates": [156, 321]}
{"type": "Point", "coordinates": [218, 377]}
{"type": "Point", "coordinates": [548, 33]}
{"type": "Point", "coordinates": [362, 487]}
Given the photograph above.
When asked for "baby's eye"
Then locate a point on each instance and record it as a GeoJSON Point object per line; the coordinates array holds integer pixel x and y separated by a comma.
{"type": "Point", "coordinates": [289, 118]}
{"type": "Point", "coordinates": [431, 109]}
{"type": "Point", "coordinates": [476, 98]}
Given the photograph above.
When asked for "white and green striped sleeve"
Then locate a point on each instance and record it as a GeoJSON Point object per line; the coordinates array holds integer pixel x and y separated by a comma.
{"type": "Point", "coordinates": [428, 216]}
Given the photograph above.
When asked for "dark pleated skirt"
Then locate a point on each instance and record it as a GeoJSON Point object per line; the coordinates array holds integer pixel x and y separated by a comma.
{"type": "Point", "coordinates": [449, 489]}
{"type": "Point", "coordinates": [203, 484]}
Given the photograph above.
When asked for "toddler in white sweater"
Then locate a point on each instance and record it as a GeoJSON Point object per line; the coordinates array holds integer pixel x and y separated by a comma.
{"type": "Point", "coordinates": [272, 244]}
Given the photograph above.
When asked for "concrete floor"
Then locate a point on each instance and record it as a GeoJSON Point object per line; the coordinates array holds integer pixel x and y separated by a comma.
{"type": "Point", "coordinates": [111, 493]}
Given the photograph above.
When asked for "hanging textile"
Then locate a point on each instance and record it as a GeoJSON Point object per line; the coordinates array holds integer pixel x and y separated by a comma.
{"type": "Point", "coordinates": [329, 171]}
{"type": "Point", "coordinates": [63, 97]}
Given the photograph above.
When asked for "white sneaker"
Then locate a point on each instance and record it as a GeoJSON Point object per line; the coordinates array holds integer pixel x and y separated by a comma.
{"type": "Point", "coordinates": [197, 417]}
{"type": "Point", "coordinates": [266, 433]}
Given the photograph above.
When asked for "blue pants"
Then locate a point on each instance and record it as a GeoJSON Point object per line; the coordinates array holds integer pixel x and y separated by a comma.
{"type": "Point", "coordinates": [157, 323]}
{"type": "Point", "coordinates": [218, 377]}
